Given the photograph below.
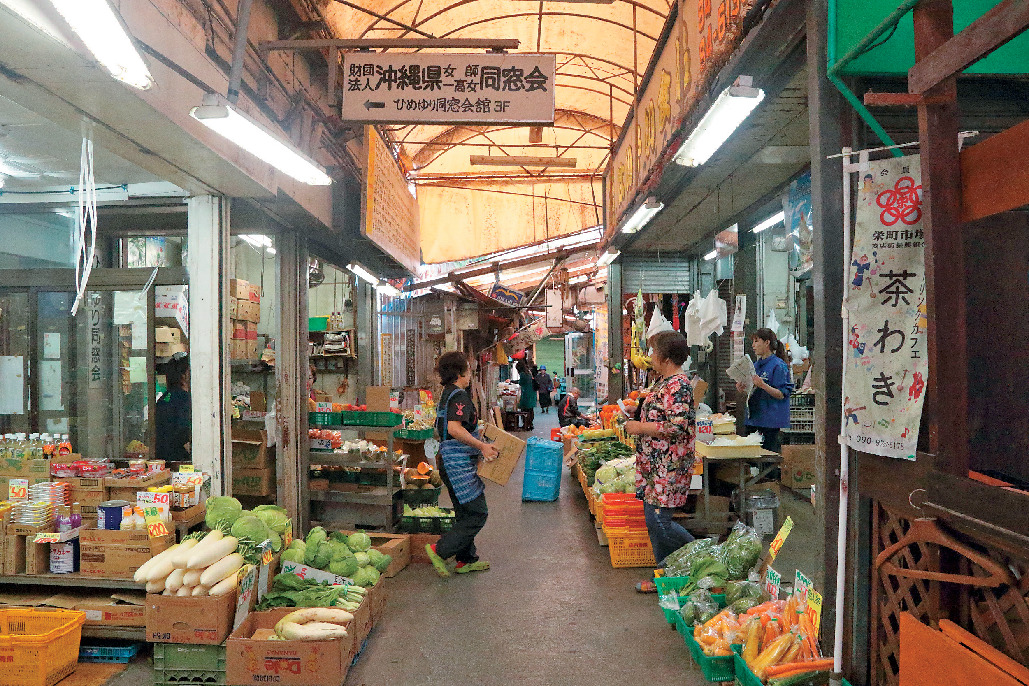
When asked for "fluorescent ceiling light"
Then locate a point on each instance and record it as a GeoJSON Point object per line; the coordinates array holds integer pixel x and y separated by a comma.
{"type": "Point", "coordinates": [103, 32]}
{"type": "Point", "coordinates": [2, 179]}
{"type": "Point", "coordinates": [608, 257]}
{"type": "Point", "coordinates": [579, 279]}
{"type": "Point", "coordinates": [711, 255]}
{"type": "Point", "coordinates": [363, 273]}
{"type": "Point", "coordinates": [271, 251]}
{"type": "Point", "coordinates": [730, 109]}
{"type": "Point", "coordinates": [388, 289]}
{"type": "Point", "coordinates": [770, 222]}
{"type": "Point", "coordinates": [9, 168]}
{"type": "Point", "coordinates": [226, 121]}
{"type": "Point", "coordinates": [642, 216]}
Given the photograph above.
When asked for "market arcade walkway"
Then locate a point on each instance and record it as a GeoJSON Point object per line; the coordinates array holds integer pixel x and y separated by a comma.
{"type": "Point", "coordinates": [551, 611]}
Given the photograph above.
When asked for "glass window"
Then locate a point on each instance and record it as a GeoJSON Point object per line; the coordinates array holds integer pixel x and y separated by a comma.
{"type": "Point", "coordinates": [40, 240]}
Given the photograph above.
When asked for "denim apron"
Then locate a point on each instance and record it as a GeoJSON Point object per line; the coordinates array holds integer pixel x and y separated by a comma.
{"type": "Point", "coordinates": [460, 462]}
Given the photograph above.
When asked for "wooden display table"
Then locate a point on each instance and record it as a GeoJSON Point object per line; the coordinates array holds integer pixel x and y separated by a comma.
{"type": "Point", "coordinates": [742, 456]}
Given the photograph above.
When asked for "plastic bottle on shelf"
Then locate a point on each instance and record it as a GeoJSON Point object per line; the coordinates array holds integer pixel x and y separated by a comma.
{"type": "Point", "coordinates": [64, 447]}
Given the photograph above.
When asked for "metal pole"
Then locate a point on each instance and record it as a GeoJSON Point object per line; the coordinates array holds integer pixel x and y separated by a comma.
{"type": "Point", "coordinates": [239, 49]}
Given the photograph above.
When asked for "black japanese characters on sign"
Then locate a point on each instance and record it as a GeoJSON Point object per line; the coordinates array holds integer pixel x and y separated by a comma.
{"type": "Point", "coordinates": [441, 88]}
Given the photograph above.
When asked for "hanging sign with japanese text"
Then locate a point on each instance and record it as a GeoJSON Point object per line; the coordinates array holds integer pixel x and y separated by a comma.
{"type": "Point", "coordinates": [389, 211]}
{"type": "Point", "coordinates": [706, 33]}
{"type": "Point", "coordinates": [445, 88]}
{"type": "Point", "coordinates": [887, 366]}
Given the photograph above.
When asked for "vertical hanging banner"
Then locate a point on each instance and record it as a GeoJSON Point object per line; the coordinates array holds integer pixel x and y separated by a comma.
{"type": "Point", "coordinates": [887, 365]}
{"type": "Point", "coordinates": [386, 359]}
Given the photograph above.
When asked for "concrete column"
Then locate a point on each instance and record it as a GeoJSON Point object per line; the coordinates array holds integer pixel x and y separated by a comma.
{"type": "Point", "coordinates": [208, 244]}
{"type": "Point", "coordinates": [615, 382]}
{"type": "Point", "coordinates": [291, 363]}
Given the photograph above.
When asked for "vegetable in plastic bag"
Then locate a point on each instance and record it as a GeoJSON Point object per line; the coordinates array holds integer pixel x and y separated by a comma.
{"type": "Point", "coordinates": [737, 590]}
{"type": "Point", "coordinates": [741, 551]}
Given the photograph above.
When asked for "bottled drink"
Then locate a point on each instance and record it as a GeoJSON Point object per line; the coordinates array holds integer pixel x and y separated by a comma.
{"type": "Point", "coordinates": [64, 448]}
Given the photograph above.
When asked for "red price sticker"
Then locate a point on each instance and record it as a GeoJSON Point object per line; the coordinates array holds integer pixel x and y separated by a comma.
{"type": "Point", "coordinates": [157, 530]}
{"type": "Point", "coordinates": [47, 538]}
{"type": "Point", "coordinates": [155, 525]}
{"type": "Point", "coordinates": [18, 489]}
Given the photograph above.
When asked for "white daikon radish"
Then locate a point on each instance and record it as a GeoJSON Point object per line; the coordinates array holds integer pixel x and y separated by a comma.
{"type": "Point", "coordinates": [206, 555]}
{"type": "Point", "coordinates": [155, 586]}
{"type": "Point", "coordinates": [229, 564]}
{"type": "Point", "coordinates": [312, 631]}
{"type": "Point", "coordinates": [182, 557]}
{"type": "Point", "coordinates": [164, 564]}
{"type": "Point", "coordinates": [192, 577]}
{"type": "Point", "coordinates": [166, 592]}
{"type": "Point", "coordinates": [199, 591]}
{"type": "Point", "coordinates": [226, 585]}
{"type": "Point", "coordinates": [142, 574]}
{"type": "Point", "coordinates": [174, 580]}
{"type": "Point", "coordinates": [319, 614]}
{"type": "Point", "coordinates": [184, 592]}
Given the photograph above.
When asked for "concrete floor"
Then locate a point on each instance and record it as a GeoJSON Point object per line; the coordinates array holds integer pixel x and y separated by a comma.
{"type": "Point", "coordinates": [551, 611]}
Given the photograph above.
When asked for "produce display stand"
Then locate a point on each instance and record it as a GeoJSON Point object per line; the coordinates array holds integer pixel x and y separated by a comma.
{"type": "Point", "coordinates": [743, 457]}
{"type": "Point", "coordinates": [77, 580]}
{"type": "Point", "coordinates": [372, 506]}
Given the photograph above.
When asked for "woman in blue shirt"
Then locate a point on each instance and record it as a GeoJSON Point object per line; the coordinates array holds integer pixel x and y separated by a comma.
{"type": "Point", "coordinates": [769, 406]}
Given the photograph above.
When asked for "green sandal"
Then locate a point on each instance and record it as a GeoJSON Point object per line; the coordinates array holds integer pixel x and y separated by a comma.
{"type": "Point", "coordinates": [480, 566]}
{"type": "Point", "coordinates": [437, 562]}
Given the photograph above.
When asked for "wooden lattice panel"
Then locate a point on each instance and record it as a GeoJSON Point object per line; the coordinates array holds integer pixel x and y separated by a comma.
{"type": "Point", "coordinates": [999, 616]}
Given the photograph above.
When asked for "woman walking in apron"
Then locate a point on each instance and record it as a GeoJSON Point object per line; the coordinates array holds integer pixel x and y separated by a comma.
{"type": "Point", "coordinates": [461, 448]}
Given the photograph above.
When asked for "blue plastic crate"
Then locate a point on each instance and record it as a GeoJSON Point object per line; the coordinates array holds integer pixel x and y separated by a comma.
{"type": "Point", "coordinates": [109, 652]}
{"type": "Point", "coordinates": [541, 485]}
{"type": "Point", "coordinates": [544, 456]}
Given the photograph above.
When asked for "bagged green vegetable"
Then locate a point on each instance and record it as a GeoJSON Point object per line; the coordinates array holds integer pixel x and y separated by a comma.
{"type": "Point", "coordinates": [736, 590]}
{"type": "Point", "coordinates": [741, 605]}
{"type": "Point", "coordinates": [741, 551]}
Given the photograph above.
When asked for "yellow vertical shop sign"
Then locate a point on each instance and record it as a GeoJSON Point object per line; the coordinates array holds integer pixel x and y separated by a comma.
{"type": "Point", "coordinates": [389, 210]}
{"type": "Point", "coordinates": [705, 32]}
{"type": "Point", "coordinates": [780, 538]}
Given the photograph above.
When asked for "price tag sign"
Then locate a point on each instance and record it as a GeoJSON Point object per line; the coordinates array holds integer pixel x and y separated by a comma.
{"type": "Point", "coordinates": [186, 469]}
{"type": "Point", "coordinates": [162, 501]}
{"type": "Point", "coordinates": [287, 538]}
{"type": "Point", "coordinates": [802, 586]}
{"type": "Point", "coordinates": [247, 580]}
{"type": "Point", "coordinates": [773, 581]}
{"type": "Point", "coordinates": [814, 606]}
{"type": "Point", "coordinates": [780, 538]}
{"type": "Point", "coordinates": [18, 489]}
{"type": "Point", "coordinates": [155, 525]}
{"type": "Point", "coordinates": [47, 538]}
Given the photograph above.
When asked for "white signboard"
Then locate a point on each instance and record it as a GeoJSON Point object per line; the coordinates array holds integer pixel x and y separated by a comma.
{"type": "Point", "coordinates": [442, 88]}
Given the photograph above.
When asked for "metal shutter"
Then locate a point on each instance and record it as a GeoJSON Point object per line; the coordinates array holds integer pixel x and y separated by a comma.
{"type": "Point", "coordinates": [651, 274]}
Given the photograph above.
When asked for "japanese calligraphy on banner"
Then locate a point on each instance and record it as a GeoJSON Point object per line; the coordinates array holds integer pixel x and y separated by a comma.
{"type": "Point", "coordinates": [95, 340]}
{"type": "Point", "coordinates": [706, 33]}
{"type": "Point", "coordinates": [386, 359]}
{"type": "Point", "coordinates": [390, 211]}
{"type": "Point", "coordinates": [887, 368]}
{"type": "Point", "coordinates": [435, 88]}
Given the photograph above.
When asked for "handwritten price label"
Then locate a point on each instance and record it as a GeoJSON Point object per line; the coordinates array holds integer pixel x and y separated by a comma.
{"type": "Point", "coordinates": [288, 536]}
{"type": "Point", "coordinates": [773, 580]}
{"type": "Point", "coordinates": [186, 468]}
{"type": "Point", "coordinates": [802, 586]}
{"type": "Point", "coordinates": [18, 489]}
{"type": "Point", "coordinates": [47, 538]}
{"type": "Point", "coordinates": [267, 558]}
{"type": "Point", "coordinates": [814, 606]}
{"type": "Point", "coordinates": [155, 525]}
{"type": "Point", "coordinates": [780, 538]}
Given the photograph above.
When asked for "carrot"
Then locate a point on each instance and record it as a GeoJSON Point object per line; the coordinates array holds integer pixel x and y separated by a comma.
{"type": "Point", "coordinates": [790, 613]}
{"type": "Point", "coordinates": [799, 668]}
{"type": "Point", "coordinates": [808, 628]}
{"type": "Point", "coordinates": [772, 631]}
{"type": "Point", "coordinates": [762, 608]}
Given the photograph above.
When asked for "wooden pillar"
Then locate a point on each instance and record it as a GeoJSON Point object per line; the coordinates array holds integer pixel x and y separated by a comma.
{"type": "Point", "coordinates": [825, 108]}
{"type": "Point", "coordinates": [207, 234]}
{"type": "Point", "coordinates": [291, 363]}
{"type": "Point", "coordinates": [615, 382]}
{"type": "Point", "coordinates": [946, 404]}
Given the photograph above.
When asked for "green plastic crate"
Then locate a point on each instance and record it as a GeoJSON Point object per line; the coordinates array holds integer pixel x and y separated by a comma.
{"type": "Point", "coordinates": [324, 418]}
{"type": "Point", "coordinates": [385, 419]}
{"type": "Point", "coordinates": [713, 668]}
{"type": "Point", "coordinates": [180, 663]}
{"type": "Point", "coordinates": [745, 677]}
{"type": "Point", "coordinates": [413, 434]}
{"type": "Point", "coordinates": [672, 584]}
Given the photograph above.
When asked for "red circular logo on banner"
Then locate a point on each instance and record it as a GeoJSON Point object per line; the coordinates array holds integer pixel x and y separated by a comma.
{"type": "Point", "coordinates": [902, 203]}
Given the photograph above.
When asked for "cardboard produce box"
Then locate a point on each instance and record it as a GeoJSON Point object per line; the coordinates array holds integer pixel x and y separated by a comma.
{"type": "Point", "coordinates": [203, 621]}
{"type": "Point", "coordinates": [117, 554]}
{"type": "Point", "coordinates": [798, 466]}
{"type": "Point", "coordinates": [14, 554]}
{"type": "Point", "coordinates": [91, 491]}
{"type": "Point", "coordinates": [250, 330]}
{"type": "Point", "coordinates": [233, 308]}
{"type": "Point", "coordinates": [253, 481]}
{"type": "Point", "coordinates": [397, 546]}
{"type": "Point", "coordinates": [126, 489]}
{"type": "Point", "coordinates": [237, 349]}
{"type": "Point", "coordinates": [239, 329]}
{"type": "Point", "coordinates": [499, 470]}
{"type": "Point", "coordinates": [418, 543]}
{"type": "Point", "coordinates": [238, 288]}
{"type": "Point", "coordinates": [250, 453]}
{"type": "Point", "coordinates": [298, 663]}
{"type": "Point", "coordinates": [125, 609]}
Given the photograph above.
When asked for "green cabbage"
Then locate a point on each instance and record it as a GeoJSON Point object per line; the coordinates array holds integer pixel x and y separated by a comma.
{"type": "Point", "coordinates": [293, 555]}
{"type": "Point", "coordinates": [276, 540]}
{"type": "Point", "coordinates": [251, 527]}
{"type": "Point", "coordinates": [336, 550]}
{"type": "Point", "coordinates": [606, 474]}
{"type": "Point", "coordinates": [298, 544]}
{"type": "Point", "coordinates": [222, 509]}
{"type": "Point", "coordinates": [323, 557]}
{"type": "Point", "coordinates": [366, 576]}
{"type": "Point", "coordinates": [311, 554]}
{"type": "Point", "coordinates": [344, 566]}
{"type": "Point", "coordinates": [316, 535]}
{"type": "Point", "coordinates": [359, 542]}
{"type": "Point", "coordinates": [275, 520]}
{"type": "Point", "coordinates": [362, 559]}
{"type": "Point", "coordinates": [382, 562]}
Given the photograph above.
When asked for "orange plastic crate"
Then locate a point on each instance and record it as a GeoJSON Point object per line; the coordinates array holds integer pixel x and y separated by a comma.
{"type": "Point", "coordinates": [629, 548]}
{"type": "Point", "coordinates": [39, 647]}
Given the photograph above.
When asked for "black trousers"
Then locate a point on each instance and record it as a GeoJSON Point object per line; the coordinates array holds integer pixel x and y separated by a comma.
{"type": "Point", "coordinates": [771, 439]}
{"type": "Point", "coordinates": [469, 519]}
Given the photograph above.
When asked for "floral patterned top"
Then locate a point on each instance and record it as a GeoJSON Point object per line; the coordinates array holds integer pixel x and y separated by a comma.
{"type": "Point", "coordinates": [664, 465]}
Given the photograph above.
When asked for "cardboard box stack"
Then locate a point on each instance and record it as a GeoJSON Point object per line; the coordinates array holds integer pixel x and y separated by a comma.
{"type": "Point", "coordinates": [798, 466]}
{"type": "Point", "coordinates": [168, 340]}
{"type": "Point", "coordinates": [117, 554]}
{"type": "Point", "coordinates": [245, 314]}
{"type": "Point", "coordinates": [253, 463]}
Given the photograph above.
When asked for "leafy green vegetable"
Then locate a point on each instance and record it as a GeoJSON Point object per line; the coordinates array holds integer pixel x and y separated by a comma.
{"type": "Point", "coordinates": [311, 553]}
{"type": "Point", "coordinates": [293, 555]}
{"type": "Point", "coordinates": [366, 576]}
{"type": "Point", "coordinates": [344, 566]}
{"type": "Point", "coordinates": [383, 564]}
{"type": "Point", "coordinates": [359, 542]}
{"type": "Point", "coordinates": [362, 559]}
{"type": "Point", "coordinates": [298, 544]}
{"type": "Point", "coordinates": [273, 519]}
{"type": "Point", "coordinates": [323, 557]}
{"type": "Point", "coordinates": [222, 509]}
{"type": "Point", "coordinates": [289, 590]}
{"type": "Point", "coordinates": [317, 536]}
{"type": "Point", "coordinates": [737, 590]}
{"type": "Point", "coordinates": [249, 526]}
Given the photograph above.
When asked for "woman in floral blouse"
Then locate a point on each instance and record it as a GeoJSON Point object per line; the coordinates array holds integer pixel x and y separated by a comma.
{"type": "Point", "coordinates": [665, 448]}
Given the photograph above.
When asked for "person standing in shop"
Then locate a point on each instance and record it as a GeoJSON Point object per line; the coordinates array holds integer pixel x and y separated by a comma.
{"type": "Point", "coordinates": [769, 405]}
{"type": "Point", "coordinates": [665, 453]}
{"type": "Point", "coordinates": [173, 419]}
{"type": "Point", "coordinates": [527, 403]}
{"type": "Point", "coordinates": [544, 389]}
{"type": "Point", "coordinates": [460, 450]}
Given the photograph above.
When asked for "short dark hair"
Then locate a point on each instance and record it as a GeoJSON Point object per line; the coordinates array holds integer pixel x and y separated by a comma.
{"type": "Point", "coordinates": [451, 366]}
{"type": "Point", "coordinates": [175, 372]}
{"type": "Point", "coordinates": [671, 345]}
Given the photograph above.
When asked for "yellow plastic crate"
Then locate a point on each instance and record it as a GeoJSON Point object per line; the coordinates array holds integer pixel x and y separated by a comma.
{"type": "Point", "coordinates": [629, 548]}
{"type": "Point", "coordinates": [39, 647]}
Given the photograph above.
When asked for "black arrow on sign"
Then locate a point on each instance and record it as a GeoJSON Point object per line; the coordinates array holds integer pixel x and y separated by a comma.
{"type": "Point", "coordinates": [369, 105]}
